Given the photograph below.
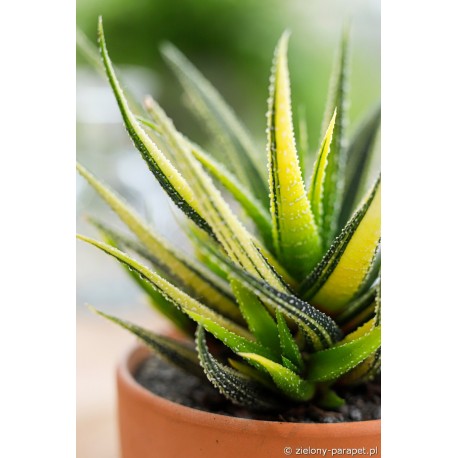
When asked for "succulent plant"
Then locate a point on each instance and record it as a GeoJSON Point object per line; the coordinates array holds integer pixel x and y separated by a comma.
{"type": "Point", "coordinates": [286, 277]}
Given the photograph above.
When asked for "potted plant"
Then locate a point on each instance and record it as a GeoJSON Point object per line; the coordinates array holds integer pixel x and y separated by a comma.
{"type": "Point", "coordinates": [278, 314]}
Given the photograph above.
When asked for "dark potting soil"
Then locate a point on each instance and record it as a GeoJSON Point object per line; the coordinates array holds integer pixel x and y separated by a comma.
{"type": "Point", "coordinates": [170, 382]}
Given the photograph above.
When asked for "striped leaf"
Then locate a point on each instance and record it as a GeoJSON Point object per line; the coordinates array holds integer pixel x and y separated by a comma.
{"type": "Point", "coordinates": [320, 330]}
{"type": "Point", "coordinates": [220, 287]}
{"type": "Point", "coordinates": [201, 283]}
{"type": "Point", "coordinates": [235, 239]}
{"type": "Point", "coordinates": [370, 367]}
{"type": "Point", "coordinates": [364, 372]}
{"type": "Point", "coordinates": [359, 155]}
{"type": "Point", "coordinates": [235, 147]}
{"type": "Point", "coordinates": [253, 207]}
{"type": "Point", "coordinates": [357, 333]}
{"type": "Point", "coordinates": [233, 341]}
{"type": "Point", "coordinates": [332, 363]}
{"type": "Point", "coordinates": [339, 276]}
{"type": "Point", "coordinates": [359, 309]}
{"type": "Point", "coordinates": [251, 372]}
{"type": "Point", "coordinates": [289, 346]}
{"type": "Point", "coordinates": [166, 174]}
{"type": "Point", "coordinates": [259, 320]}
{"type": "Point", "coordinates": [177, 353]}
{"type": "Point", "coordinates": [157, 300]}
{"type": "Point", "coordinates": [286, 380]}
{"type": "Point", "coordinates": [335, 170]}
{"type": "Point", "coordinates": [232, 384]}
{"type": "Point", "coordinates": [295, 234]}
{"type": "Point", "coordinates": [316, 189]}
{"type": "Point", "coordinates": [182, 300]}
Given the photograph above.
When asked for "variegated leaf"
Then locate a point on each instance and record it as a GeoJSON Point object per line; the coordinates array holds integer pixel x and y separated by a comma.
{"type": "Point", "coordinates": [358, 310]}
{"type": "Point", "coordinates": [202, 284]}
{"type": "Point", "coordinates": [167, 175]}
{"type": "Point", "coordinates": [320, 330]}
{"type": "Point", "coordinates": [286, 380]}
{"type": "Point", "coordinates": [232, 384]}
{"type": "Point", "coordinates": [177, 353]}
{"type": "Point", "coordinates": [233, 341]}
{"type": "Point", "coordinates": [182, 300]}
{"type": "Point", "coordinates": [157, 300]}
{"type": "Point", "coordinates": [235, 239]}
{"type": "Point", "coordinates": [339, 276]}
{"type": "Point", "coordinates": [316, 190]}
{"type": "Point", "coordinates": [251, 372]}
{"type": "Point", "coordinates": [244, 197]}
{"type": "Point", "coordinates": [295, 233]}
{"type": "Point", "coordinates": [332, 363]}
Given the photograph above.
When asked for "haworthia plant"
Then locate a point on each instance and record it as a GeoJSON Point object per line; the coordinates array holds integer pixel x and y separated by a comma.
{"type": "Point", "coordinates": [292, 296]}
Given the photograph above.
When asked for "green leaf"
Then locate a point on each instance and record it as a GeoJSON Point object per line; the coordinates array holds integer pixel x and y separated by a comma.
{"type": "Point", "coordinates": [335, 170]}
{"type": "Point", "coordinates": [339, 276]}
{"type": "Point", "coordinates": [329, 399]}
{"type": "Point", "coordinates": [157, 300]}
{"type": "Point", "coordinates": [175, 295]}
{"type": "Point", "coordinates": [233, 341]}
{"type": "Point", "coordinates": [370, 367]}
{"type": "Point", "coordinates": [234, 385]}
{"type": "Point", "coordinates": [364, 372]}
{"type": "Point", "coordinates": [320, 330]}
{"type": "Point", "coordinates": [235, 147]}
{"type": "Point", "coordinates": [286, 380]}
{"type": "Point", "coordinates": [216, 287]}
{"type": "Point", "coordinates": [201, 283]}
{"type": "Point", "coordinates": [289, 346]}
{"type": "Point", "coordinates": [235, 239]}
{"type": "Point", "coordinates": [253, 207]}
{"type": "Point", "coordinates": [289, 365]}
{"type": "Point", "coordinates": [303, 142]}
{"type": "Point", "coordinates": [168, 177]}
{"type": "Point", "coordinates": [177, 353]}
{"type": "Point", "coordinates": [295, 234]}
{"type": "Point", "coordinates": [359, 155]}
{"type": "Point", "coordinates": [259, 320]}
{"type": "Point", "coordinates": [316, 190]}
{"type": "Point", "coordinates": [332, 363]}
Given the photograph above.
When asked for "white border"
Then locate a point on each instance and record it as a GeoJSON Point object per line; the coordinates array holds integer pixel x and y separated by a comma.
{"type": "Point", "coordinates": [37, 293]}
{"type": "Point", "coordinates": [419, 166]}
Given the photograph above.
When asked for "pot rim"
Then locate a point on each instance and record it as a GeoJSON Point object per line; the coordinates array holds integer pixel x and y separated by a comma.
{"type": "Point", "coordinates": [137, 354]}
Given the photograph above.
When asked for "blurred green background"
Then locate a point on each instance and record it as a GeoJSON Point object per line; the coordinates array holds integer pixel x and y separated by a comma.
{"type": "Point", "coordinates": [232, 43]}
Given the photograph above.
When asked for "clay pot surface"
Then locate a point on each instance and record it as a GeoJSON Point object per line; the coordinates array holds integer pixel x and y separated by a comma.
{"type": "Point", "coordinates": [153, 427]}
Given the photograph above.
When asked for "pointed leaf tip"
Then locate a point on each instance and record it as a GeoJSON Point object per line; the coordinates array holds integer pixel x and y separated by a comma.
{"type": "Point", "coordinates": [295, 233]}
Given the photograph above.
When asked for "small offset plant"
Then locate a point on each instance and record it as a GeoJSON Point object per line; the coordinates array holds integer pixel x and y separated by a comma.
{"type": "Point", "coordinates": [287, 278]}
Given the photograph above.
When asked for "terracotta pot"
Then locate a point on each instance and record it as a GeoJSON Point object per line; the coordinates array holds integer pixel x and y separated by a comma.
{"type": "Point", "coordinates": [153, 427]}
